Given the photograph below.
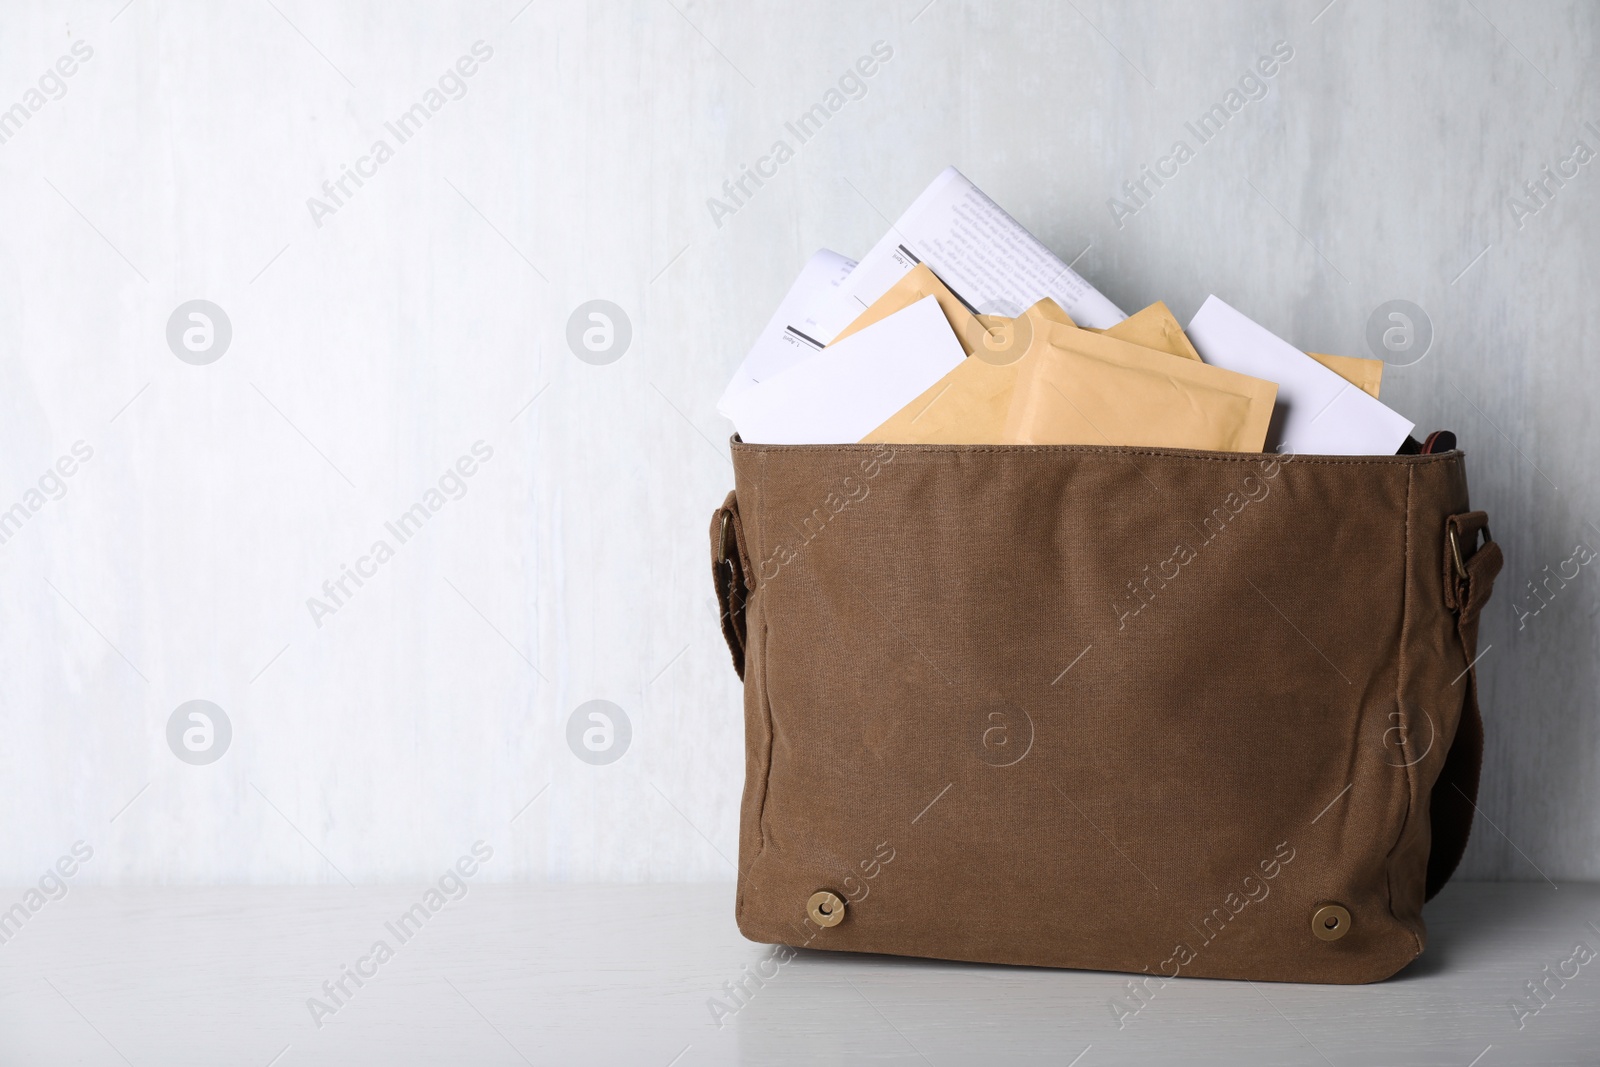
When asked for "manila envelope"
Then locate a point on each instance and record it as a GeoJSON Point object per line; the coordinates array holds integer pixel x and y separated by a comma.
{"type": "Point", "coordinates": [1364, 374]}
{"type": "Point", "coordinates": [1080, 387]}
{"type": "Point", "coordinates": [1156, 327]}
{"type": "Point", "coordinates": [918, 283]}
{"type": "Point", "coordinates": [970, 404]}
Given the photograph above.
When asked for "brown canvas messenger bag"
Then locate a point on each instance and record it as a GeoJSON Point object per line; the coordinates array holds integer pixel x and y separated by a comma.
{"type": "Point", "coordinates": [1130, 709]}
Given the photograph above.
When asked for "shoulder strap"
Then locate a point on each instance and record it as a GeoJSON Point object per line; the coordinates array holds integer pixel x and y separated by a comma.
{"type": "Point", "coordinates": [1469, 572]}
{"type": "Point", "coordinates": [728, 570]}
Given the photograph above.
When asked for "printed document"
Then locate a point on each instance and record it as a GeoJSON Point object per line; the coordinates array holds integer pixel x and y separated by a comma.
{"type": "Point", "coordinates": [983, 254]}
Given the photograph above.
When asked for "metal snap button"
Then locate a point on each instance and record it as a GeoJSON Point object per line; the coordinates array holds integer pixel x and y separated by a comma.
{"type": "Point", "coordinates": [1330, 922]}
{"type": "Point", "coordinates": [825, 908]}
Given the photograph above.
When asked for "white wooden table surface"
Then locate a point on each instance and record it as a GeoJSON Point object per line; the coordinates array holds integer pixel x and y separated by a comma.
{"type": "Point", "coordinates": [565, 974]}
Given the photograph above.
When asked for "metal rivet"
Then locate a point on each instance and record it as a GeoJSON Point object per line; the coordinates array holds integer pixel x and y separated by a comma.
{"type": "Point", "coordinates": [1330, 922]}
{"type": "Point", "coordinates": [825, 908]}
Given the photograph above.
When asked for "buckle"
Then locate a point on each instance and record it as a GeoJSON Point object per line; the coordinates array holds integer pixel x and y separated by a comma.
{"type": "Point", "coordinates": [723, 555]}
{"type": "Point", "coordinates": [1455, 549]}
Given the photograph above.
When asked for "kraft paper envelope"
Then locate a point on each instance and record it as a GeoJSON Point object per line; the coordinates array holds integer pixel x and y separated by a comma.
{"type": "Point", "coordinates": [1048, 310]}
{"type": "Point", "coordinates": [991, 332]}
{"type": "Point", "coordinates": [1154, 327]}
{"type": "Point", "coordinates": [1080, 387]}
{"type": "Point", "coordinates": [1364, 374]}
{"type": "Point", "coordinates": [1318, 412]}
{"type": "Point", "coordinates": [839, 394]}
{"type": "Point", "coordinates": [969, 405]}
{"type": "Point", "coordinates": [918, 283]}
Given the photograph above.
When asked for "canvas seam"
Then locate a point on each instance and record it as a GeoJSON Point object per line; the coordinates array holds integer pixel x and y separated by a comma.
{"type": "Point", "coordinates": [766, 779]}
{"type": "Point", "coordinates": [1100, 450]}
{"type": "Point", "coordinates": [765, 695]}
{"type": "Point", "coordinates": [758, 539]}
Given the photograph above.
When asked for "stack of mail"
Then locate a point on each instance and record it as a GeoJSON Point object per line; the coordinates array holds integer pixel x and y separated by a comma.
{"type": "Point", "coordinates": [961, 327]}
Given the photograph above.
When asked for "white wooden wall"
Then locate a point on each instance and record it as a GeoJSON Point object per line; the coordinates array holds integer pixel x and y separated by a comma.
{"type": "Point", "coordinates": [375, 343]}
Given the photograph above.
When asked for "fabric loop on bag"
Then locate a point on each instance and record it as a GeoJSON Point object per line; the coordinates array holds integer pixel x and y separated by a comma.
{"type": "Point", "coordinates": [728, 576]}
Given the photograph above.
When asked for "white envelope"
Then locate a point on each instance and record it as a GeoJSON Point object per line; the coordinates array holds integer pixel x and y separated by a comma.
{"type": "Point", "coordinates": [847, 390]}
{"type": "Point", "coordinates": [985, 256]}
{"type": "Point", "coordinates": [1318, 412]}
{"type": "Point", "coordinates": [791, 334]}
